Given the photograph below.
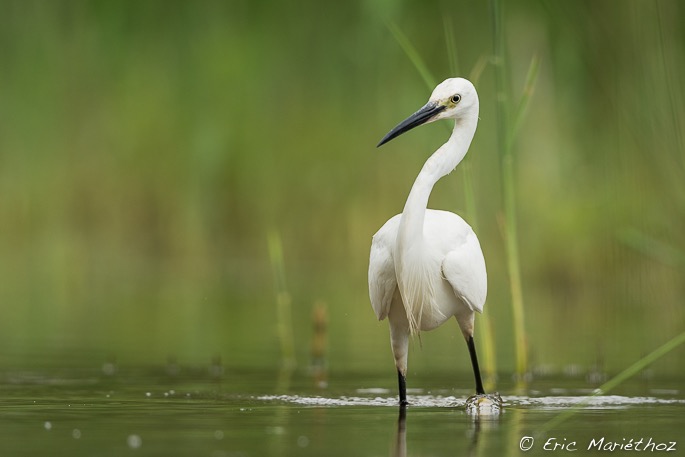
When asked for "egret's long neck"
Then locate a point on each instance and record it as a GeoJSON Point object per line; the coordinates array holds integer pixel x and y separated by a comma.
{"type": "Point", "coordinates": [442, 162]}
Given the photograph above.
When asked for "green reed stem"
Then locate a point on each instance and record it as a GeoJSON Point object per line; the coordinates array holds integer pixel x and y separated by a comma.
{"type": "Point", "coordinates": [651, 247]}
{"type": "Point", "coordinates": [284, 319]}
{"type": "Point", "coordinates": [506, 135]}
{"type": "Point", "coordinates": [413, 54]}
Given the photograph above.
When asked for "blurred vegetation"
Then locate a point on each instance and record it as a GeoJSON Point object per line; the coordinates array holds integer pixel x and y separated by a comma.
{"type": "Point", "coordinates": [148, 148]}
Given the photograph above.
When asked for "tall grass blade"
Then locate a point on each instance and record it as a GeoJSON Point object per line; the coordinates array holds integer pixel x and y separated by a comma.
{"type": "Point", "coordinates": [651, 247]}
{"type": "Point", "coordinates": [413, 55]}
{"type": "Point", "coordinates": [677, 132]}
{"type": "Point", "coordinates": [477, 70]}
{"type": "Point", "coordinates": [284, 320]}
{"type": "Point", "coordinates": [451, 46]}
{"type": "Point", "coordinates": [504, 133]}
{"type": "Point", "coordinates": [528, 88]}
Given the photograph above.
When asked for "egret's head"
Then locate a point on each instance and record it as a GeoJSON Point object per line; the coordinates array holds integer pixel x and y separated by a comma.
{"type": "Point", "coordinates": [453, 98]}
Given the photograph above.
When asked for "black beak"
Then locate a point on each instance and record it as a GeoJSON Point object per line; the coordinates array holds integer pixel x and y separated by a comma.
{"type": "Point", "coordinates": [422, 116]}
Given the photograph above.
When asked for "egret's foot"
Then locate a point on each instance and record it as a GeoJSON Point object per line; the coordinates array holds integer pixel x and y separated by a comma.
{"type": "Point", "coordinates": [484, 404]}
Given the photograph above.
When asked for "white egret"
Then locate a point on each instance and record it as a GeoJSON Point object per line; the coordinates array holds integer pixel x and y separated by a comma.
{"type": "Point", "coordinates": [427, 265]}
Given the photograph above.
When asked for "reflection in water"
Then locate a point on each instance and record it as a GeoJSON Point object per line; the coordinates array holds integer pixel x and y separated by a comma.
{"type": "Point", "coordinates": [481, 423]}
{"type": "Point", "coordinates": [401, 437]}
{"type": "Point", "coordinates": [515, 431]}
{"type": "Point", "coordinates": [475, 433]}
{"type": "Point", "coordinates": [476, 447]}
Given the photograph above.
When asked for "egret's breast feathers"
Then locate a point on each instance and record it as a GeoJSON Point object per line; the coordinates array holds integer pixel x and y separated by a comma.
{"type": "Point", "coordinates": [417, 283]}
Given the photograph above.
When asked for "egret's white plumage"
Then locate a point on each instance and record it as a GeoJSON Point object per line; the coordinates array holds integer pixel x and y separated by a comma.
{"type": "Point", "coordinates": [427, 265]}
{"type": "Point", "coordinates": [448, 271]}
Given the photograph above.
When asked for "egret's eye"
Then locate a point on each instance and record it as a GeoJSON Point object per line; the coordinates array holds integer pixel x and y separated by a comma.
{"type": "Point", "coordinates": [456, 98]}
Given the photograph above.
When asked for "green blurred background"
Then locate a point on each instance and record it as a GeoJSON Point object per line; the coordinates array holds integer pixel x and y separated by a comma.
{"type": "Point", "coordinates": [149, 148]}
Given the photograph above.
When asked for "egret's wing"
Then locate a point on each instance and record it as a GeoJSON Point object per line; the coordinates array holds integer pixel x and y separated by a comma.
{"type": "Point", "coordinates": [382, 279]}
{"type": "Point", "coordinates": [464, 268]}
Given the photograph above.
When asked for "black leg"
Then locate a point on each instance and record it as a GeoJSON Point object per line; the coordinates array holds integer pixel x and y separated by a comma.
{"type": "Point", "coordinates": [402, 381]}
{"type": "Point", "coordinates": [476, 370]}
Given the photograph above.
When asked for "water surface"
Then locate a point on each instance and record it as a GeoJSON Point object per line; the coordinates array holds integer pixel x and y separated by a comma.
{"type": "Point", "coordinates": [172, 412]}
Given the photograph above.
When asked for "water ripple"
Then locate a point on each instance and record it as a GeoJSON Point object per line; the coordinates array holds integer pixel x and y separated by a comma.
{"type": "Point", "coordinates": [439, 401]}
